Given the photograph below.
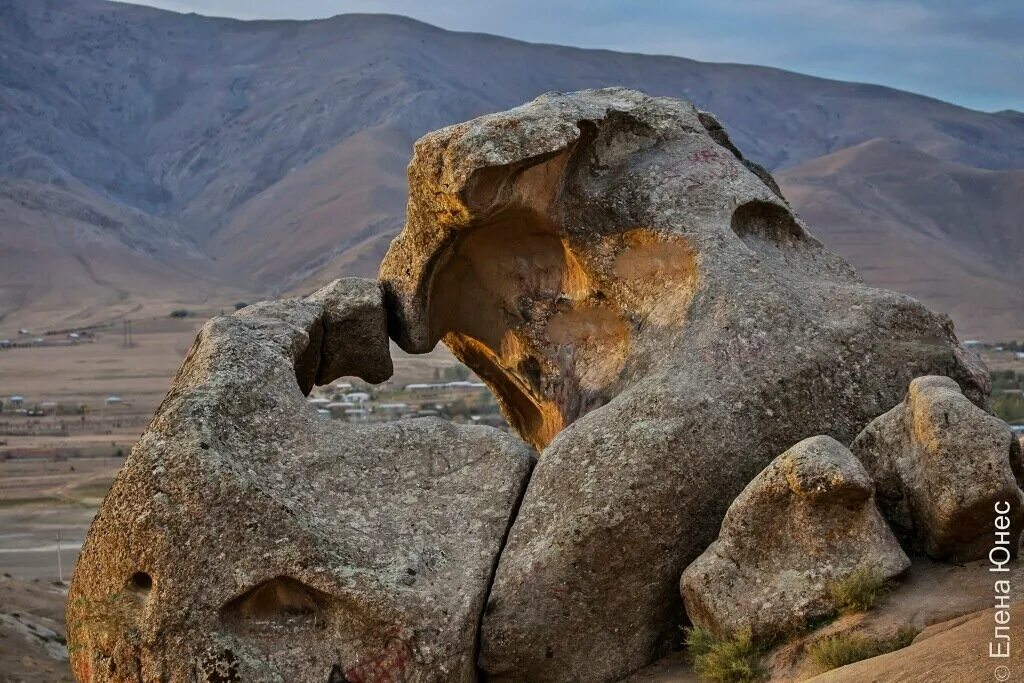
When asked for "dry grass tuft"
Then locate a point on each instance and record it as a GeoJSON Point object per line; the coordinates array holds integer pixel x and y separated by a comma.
{"type": "Point", "coordinates": [725, 660]}
{"type": "Point", "coordinates": [842, 649]}
{"type": "Point", "coordinates": [860, 591]}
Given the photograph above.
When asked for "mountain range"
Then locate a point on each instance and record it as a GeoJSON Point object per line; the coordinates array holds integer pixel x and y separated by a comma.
{"type": "Point", "coordinates": [151, 159]}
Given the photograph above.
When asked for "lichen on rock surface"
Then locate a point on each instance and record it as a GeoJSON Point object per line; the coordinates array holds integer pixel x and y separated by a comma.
{"type": "Point", "coordinates": [807, 522]}
{"type": "Point", "coordinates": [654, 317]}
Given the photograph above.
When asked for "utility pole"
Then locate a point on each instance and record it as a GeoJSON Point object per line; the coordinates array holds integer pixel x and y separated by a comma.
{"type": "Point", "coordinates": [126, 331]}
{"type": "Point", "coordinates": [60, 561]}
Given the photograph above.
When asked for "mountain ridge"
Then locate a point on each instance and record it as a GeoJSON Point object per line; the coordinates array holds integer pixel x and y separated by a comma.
{"type": "Point", "coordinates": [277, 146]}
{"type": "Point", "coordinates": [951, 234]}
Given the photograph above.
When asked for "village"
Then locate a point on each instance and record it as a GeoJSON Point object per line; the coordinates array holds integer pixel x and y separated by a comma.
{"type": "Point", "coordinates": [104, 417]}
{"type": "Point", "coordinates": [458, 400]}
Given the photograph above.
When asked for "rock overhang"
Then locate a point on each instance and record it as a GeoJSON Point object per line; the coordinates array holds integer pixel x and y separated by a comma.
{"type": "Point", "coordinates": [548, 244]}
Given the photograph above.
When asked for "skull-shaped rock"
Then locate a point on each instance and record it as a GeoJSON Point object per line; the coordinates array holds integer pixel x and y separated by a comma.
{"type": "Point", "coordinates": [655, 318]}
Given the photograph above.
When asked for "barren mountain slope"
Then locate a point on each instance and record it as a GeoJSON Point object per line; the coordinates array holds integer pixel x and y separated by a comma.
{"type": "Point", "coordinates": [323, 216]}
{"type": "Point", "coordinates": [279, 146]}
{"type": "Point", "coordinates": [69, 257]}
{"type": "Point", "coordinates": [950, 235]}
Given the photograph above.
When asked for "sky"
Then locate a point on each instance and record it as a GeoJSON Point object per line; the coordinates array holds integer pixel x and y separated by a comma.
{"type": "Point", "coordinates": [970, 52]}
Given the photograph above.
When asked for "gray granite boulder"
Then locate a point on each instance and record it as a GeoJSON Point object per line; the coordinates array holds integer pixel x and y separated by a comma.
{"type": "Point", "coordinates": [942, 465]}
{"type": "Point", "coordinates": [654, 317]}
{"type": "Point", "coordinates": [247, 539]}
{"type": "Point", "coordinates": [806, 522]}
{"type": "Point", "coordinates": [355, 340]}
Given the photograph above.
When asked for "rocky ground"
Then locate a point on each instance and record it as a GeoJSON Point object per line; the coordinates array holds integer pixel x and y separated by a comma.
{"type": "Point", "coordinates": [32, 640]}
{"type": "Point", "coordinates": [953, 600]}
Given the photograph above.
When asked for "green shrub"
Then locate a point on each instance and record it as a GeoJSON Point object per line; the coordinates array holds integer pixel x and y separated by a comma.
{"type": "Point", "coordinates": [860, 591]}
{"type": "Point", "coordinates": [846, 648]}
{"type": "Point", "coordinates": [724, 660]}
{"type": "Point", "coordinates": [101, 621]}
{"type": "Point", "coordinates": [179, 313]}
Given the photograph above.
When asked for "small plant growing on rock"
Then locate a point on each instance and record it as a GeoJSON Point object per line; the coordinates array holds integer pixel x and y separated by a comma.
{"type": "Point", "coordinates": [725, 660]}
{"type": "Point", "coordinates": [846, 648]}
{"type": "Point", "coordinates": [860, 591]}
{"type": "Point", "coordinates": [102, 621]}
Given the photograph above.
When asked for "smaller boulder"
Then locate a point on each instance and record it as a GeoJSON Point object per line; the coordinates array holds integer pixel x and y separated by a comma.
{"type": "Point", "coordinates": [807, 521]}
{"type": "Point", "coordinates": [941, 465]}
{"type": "Point", "coordinates": [247, 539]}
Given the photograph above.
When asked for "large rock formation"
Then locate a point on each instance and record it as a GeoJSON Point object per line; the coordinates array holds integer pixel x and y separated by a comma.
{"type": "Point", "coordinates": [942, 466]}
{"type": "Point", "coordinates": [807, 521]}
{"type": "Point", "coordinates": [246, 539]}
{"type": "Point", "coordinates": [653, 316]}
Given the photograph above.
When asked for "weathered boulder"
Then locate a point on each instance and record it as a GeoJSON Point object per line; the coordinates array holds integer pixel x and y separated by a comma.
{"type": "Point", "coordinates": [653, 316]}
{"type": "Point", "coordinates": [807, 521]}
{"type": "Point", "coordinates": [246, 539]}
{"type": "Point", "coordinates": [941, 465]}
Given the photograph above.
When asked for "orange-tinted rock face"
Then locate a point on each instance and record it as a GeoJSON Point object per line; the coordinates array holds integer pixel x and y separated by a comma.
{"type": "Point", "coordinates": [659, 324]}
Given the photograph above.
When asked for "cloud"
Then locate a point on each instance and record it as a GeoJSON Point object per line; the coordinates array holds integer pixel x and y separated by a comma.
{"type": "Point", "coordinates": [970, 53]}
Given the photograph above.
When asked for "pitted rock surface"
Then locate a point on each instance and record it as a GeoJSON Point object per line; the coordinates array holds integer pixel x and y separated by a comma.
{"type": "Point", "coordinates": [246, 539]}
{"type": "Point", "coordinates": [653, 317]}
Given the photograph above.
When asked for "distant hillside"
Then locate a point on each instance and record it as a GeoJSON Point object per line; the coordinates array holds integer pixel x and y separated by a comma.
{"type": "Point", "coordinates": [275, 150]}
{"type": "Point", "coordinates": [945, 233]}
{"type": "Point", "coordinates": [68, 251]}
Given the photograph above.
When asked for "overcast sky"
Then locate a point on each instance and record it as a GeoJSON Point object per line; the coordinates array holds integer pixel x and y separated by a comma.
{"type": "Point", "coordinates": [966, 51]}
